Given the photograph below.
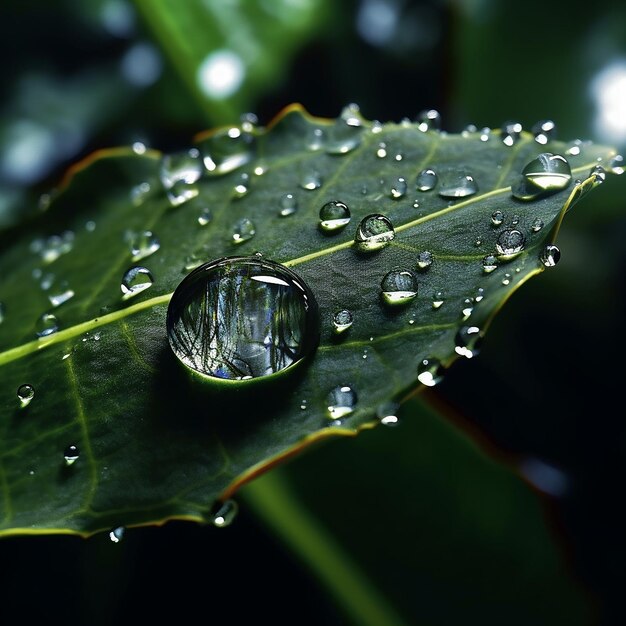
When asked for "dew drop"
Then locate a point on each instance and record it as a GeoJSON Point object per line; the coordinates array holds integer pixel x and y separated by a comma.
{"type": "Point", "coordinates": [117, 534]}
{"type": "Point", "coordinates": [342, 320]}
{"type": "Point", "coordinates": [311, 181]}
{"type": "Point", "coordinates": [426, 180]}
{"type": "Point", "coordinates": [204, 216]}
{"type": "Point", "coordinates": [242, 317]}
{"type": "Point", "coordinates": [25, 394]}
{"type": "Point", "coordinates": [381, 151]}
{"type": "Point", "coordinates": [497, 217]}
{"type": "Point", "coordinates": [227, 150]}
{"type": "Point", "coordinates": [398, 189]}
{"type": "Point", "coordinates": [224, 513]}
{"type": "Point", "coordinates": [139, 193]}
{"type": "Point", "coordinates": [315, 139]}
{"type": "Point", "coordinates": [480, 294]}
{"type": "Point", "coordinates": [71, 455]}
{"type": "Point", "coordinates": [546, 174]}
{"type": "Point", "coordinates": [457, 184]}
{"type": "Point", "coordinates": [135, 280]}
{"type": "Point", "coordinates": [598, 174]}
{"type": "Point", "coordinates": [334, 215]}
{"type": "Point", "coordinates": [374, 232]}
{"type": "Point", "coordinates": [537, 225]}
{"type": "Point", "coordinates": [387, 413]}
{"type": "Point", "coordinates": [550, 255]}
{"type": "Point", "coordinates": [346, 134]}
{"type": "Point", "coordinates": [490, 263]}
{"type": "Point", "coordinates": [544, 131]}
{"type": "Point", "coordinates": [288, 205]}
{"type": "Point", "coordinates": [143, 244]}
{"type": "Point", "coordinates": [510, 133]}
{"type": "Point", "coordinates": [485, 134]}
{"type": "Point", "coordinates": [184, 167]}
{"type": "Point", "coordinates": [47, 324]}
{"type": "Point", "coordinates": [616, 165]}
{"type": "Point", "coordinates": [241, 188]}
{"type": "Point", "coordinates": [398, 287]}
{"type": "Point", "coordinates": [429, 371]}
{"type": "Point", "coordinates": [429, 120]}
{"type": "Point", "coordinates": [437, 300]}
{"type": "Point", "coordinates": [468, 308]}
{"type": "Point", "coordinates": [341, 402]}
{"type": "Point", "coordinates": [510, 242]}
{"type": "Point", "coordinates": [243, 230]}
{"type": "Point", "coordinates": [506, 279]}
{"type": "Point", "coordinates": [181, 192]}
{"type": "Point", "coordinates": [60, 297]}
{"type": "Point", "coordinates": [467, 341]}
{"type": "Point", "coordinates": [424, 260]}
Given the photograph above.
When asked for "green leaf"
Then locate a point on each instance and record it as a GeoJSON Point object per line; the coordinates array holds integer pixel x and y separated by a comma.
{"type": "Point", "coordinates": [155, 444]}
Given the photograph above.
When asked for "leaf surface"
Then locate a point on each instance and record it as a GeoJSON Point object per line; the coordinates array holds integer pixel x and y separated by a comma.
{"type": "Point", "coordinates": [154, 445]}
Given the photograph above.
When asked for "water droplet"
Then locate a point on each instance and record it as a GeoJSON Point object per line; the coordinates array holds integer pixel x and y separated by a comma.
{"type": "Point", "coordinates": [341, 401]}
{"type": "Point", "coordinates": [243, 230]}
{"type": "Point", "coordinates": [311, 181]}
{"type": "Point", "coordinates": [334, 216]}
{"type": "Point", "coordinates": [90, 226]}
{"type": "Point", "coordinates": [506, 279]}
{"type": "Point", "coordinates": [429, 120]}
{"type": "Point", "coordinates": [598, 173]}
{"type": "Point", "coordinates": [437, 300]}
{"type": "Point", "coordinates": [181, 192]}
{"type": "Point", "coordinates": [139, 193]}
{"type": "Point", "coordinates": [515, 220]}
{"type": "Point", "coordinates": [399, 287]}
{"type": "Point", "coordinates": [467, 341]}
{"type": "Point", "coordinates": [544, 131]}
{"type": "Point", "coordinates": [424, 260]}
{"type": "Point", "coordinates": [374, 232]}
{"type": "Point", "coordinates": [242, 317]}
{"type": "Point", "coordinates": [497, 217]}
{"type": "Point", "coordinates": [480, 294]}
{"type": "Point", "coordinates": [478, 242]}
{"type": "Point", "coordinates": [288, 205]}
{"type": "Point", "coordinates": [550, 255]}
{"type": "Point", "coordinates": [184, 167]}
{"type": "Point", "coordinates": [25, 393]}
{"type": "Point", "coordinates": [537, 225]}
{"type": "Point", "coordinates": [457, 184]}
{"type": "Point", "coordinates": [387, 413]}
{"type": "Point", "coordinates": [227, 150]}
{"type": "Point", "coordinates": [468, 308]}
{"type": "Point", "coordinates": [429, 371]}
{"type": "Point", "coordinates": [342, 320]}
{"type": "Point", "coordinates": [485, 134]}
{"type": "Point", "coordinates": [575, 149]}
{"type": "Point", "coordinates": [426, 180]}
{"type": "Point", "coordinates": [303, 405]}
{"type": "Point", "coordinates": [490, 263]}
{"type": "Point", "coordinates": [117, 534]}
{"type": "Point", "coordinates": [205, 216]}
{"type": "Point", "coordinates": [223, 513]}
{"type": "Point", "coordinates": [546, 174]}
{"type": "Point", "coordinates": [71, 455]}
{"type": "Point", "coordinates": [135, 280]}
{"type": "Point", "coordinates": [143, 244]}
{"type": "Point", "coordinates": [510, 242]}
{"type": "Point", "coordinates": [47, 324]}
{"type": "Point", "coordinates": [381, 152]}
{"type": "Point", "coordinates": [56, 245]}
{"type": "Point", "coordinates": [398, 189]}
{"type": "Point", "coordinates": [59, 297]}
{"type": "Point", "coordinates": [315, 139]}
{"type": "Point", "coordinates": [510, 133]}
{"type": "Point", "coordinates": [241, 188]}
{"type": "Point", "coordinates": [616, 165]}
{"type": "Point", "coordinates": [345, 135]}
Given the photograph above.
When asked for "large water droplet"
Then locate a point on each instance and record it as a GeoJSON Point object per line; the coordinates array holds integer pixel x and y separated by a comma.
{"type": "Point", "coordinates": [546, 174]}
{"type": "Point", "coordinates": [71, 455]}
{"type": "Point", "coordinates": [467, 341]}
{"type": "Point", "coordinates": [429, 120]}
{"type": "Point", "coordinates": [399, 287]}
{"type": "Point", "coordinates": [426, 180]}
{"type": "Point", "coordinates": [497, 217]}
{"type": "Point", "coordinates": [387, 413]}
{"type": "Point", "coordinates": [342, 320]}
{"type": "Point", "coordinates": [47, 324]}
{"type": "Point", "coordinates": [334, 216]}
{"type": "Point", "coordinates": [223, 513]}
{"type": "Point", "coordinates": [135, 280]}
{"type": "Point", "coordinates": [288, 205]}
{"type": "Point", "coordinates": [242, 317]}
{"type": "Point", "coordinates": [510, 242]}
{"type": "Point", "coordinates": [374, 232]}
{"type": "Point", "coordinates": [510, 133]}
{"type": "Point", "coordinates": [243, 230]}
{"type": "Point", "coordinates": [429, 371]}
{"type": "Point", "coordinates": [544, 131]}
{"type": "Point", "coordinates": [398, 189]}
{"type": "Point", "coordinates": [550, 255]}
{"type": "Point", "coordinates": [25, 394]}
{"type": "Point", "coordinates": [457, 184]}
{"type": "Point", "coordinates": [490, 263]}
{"type": "Point", "coordinates": [143, 244]}
{"type": "Point", "coordinates": [341, 401]}
{"type": "Point", "coordinates": [424, 260]}
{"type": "Point", "coordinates": [227, 150]}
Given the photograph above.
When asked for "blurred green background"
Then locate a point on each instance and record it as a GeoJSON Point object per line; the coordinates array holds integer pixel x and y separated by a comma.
{"type": "Point", "coordinates": [499, 506]}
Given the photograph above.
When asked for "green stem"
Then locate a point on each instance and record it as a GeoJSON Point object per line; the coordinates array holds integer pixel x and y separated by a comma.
{"type": "Point", "coordinates": [275, 503]}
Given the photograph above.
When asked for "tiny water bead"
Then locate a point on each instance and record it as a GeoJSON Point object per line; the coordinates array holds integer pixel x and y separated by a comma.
{"type": "Point", "coordinates": [57, 298]}
{"type": "Point", "coordinates": [341, 401]}
{"type": "Point", "coordinates": [398, 189]}
{"type": "Point", "coordinates": [373, 233]}
{"type": "Point", "coordinates": [426, 180]}
{"type": "Point", "coordinates": [544, 175]}
{"type": "Point", "coordinates": [424, 260]}
{"type": "Point", "coordinates": [490, 263]}
{"type": "Point", "coordinates": [510, 242]}
{"type": "Point", "coordinates": [288, 205]}
{"type": "Point", "coordinates": [506, 279]}
{"type": "Point", "coordinates": [204, 216]}
{"type": "Point", "coordinates": [117, 534]}
{"type": "Point", "coordinates": [457, 184]}
{"type": "Point", "coordinates": [437, 300]}
{"type": "Point", "coordinates": [429, 371]}
{"type": "Point", "coordinates": [242, 317]}
{"type": "Point", "coordinates": [510, 133]}
{"type": "Point", "coordinates": [387, 413]}
{"type": "Point", "coordinates": [398, 287]}
{"type": "Point", "coordinates": [467, 341]}
{"type": "Point", "coordinates": [544, 131]}
{"type": "Point", "coordinates": [135, 280]}
{"type": "Point", "coordinates": [497, 217]}
{"type": "Point", "coordinates": [616, 165]}
{"type": "Point", "coordinates": [537, 225]}
{"type": "Point", "coordinates": [342, 320]}
{"type": "Point", "coordinates": [550, 255]}
{"type": "Point", "coordinates": [429, 120]}
{"type": "Point", "coordinates": [143, 244]}
{"type": "Point", "coordinates": [224, 513]}
{"type": "Point", "coordinates": [25, 394]}
{"type": "Point", "coordinates": [243, 230]}
{"type": "Point", "coordinates": [47, 324]}
{"type": "Point", "coordinates": [71, 455]}
{"type": "Point", "coordinates": [334, 215]}
{"type": "Point", "coordinates": [311, 181]}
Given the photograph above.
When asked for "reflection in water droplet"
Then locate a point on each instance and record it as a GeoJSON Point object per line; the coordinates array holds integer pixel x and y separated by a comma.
{"type": "Point", "coordinates": [334, 216]}
{"type": "Point", "coordinates": [373, 233]}
{"type": "Point", "coordinates": [426, 180]}
{"type": "Point", "coordinates": [204, 216]}
{"type": "Point", "coordinates": [399, 287]}
{"type": "Point", "coordinates": [490, 263]}
{"type": "Point", "coordinates": [497, 217]}
{"type": "Point", "coordinates": [424, 260]}
{"type": "Point", "coordinates": [143, 244]}
{"type": "Point", "coordinates": [429, 371]}
{"type": "Point", "coordinates": [242, 317]}
{"type": "Point", "coordinates": [243, 230]}
{"type": "Point", "coordinates": [467, 341]}
{"type": "Point", "coordinates": [71, 455]}
{"type": "Point", "coordinates": [341, 401]}
{"type": "Point", "coordinates": [550, 255]}
{"type": "Point", "coordinates": [457, 184]}
{"type": "Point", "coordinates": [288, 205]}
{"type": "Point", "coordinates": [510, 133]}
{"type": "Point", "coordinates": [546, 174]}
{"type": "Point", "coordinates": [544, 131]}
{"type": "Point", "coordinates": [398, 189]}
{"type": "Point", "coordinates": [223, 513]}
{"type": "Point", "coordinates": [537, 225]}
{"type": "Point", "coordinates": [117, 534]}
{"type": "Point", "coordinates": [47, 324]}
{"type": "Point", "coordinates": [342, 320]}
{"type": "Point", "coordinates": [510, 242]}
{"type": "Point", "coordinates": [429, 120]}
{"type": "Point", "coordinates": [387, 413]}
{"type": "Point", "coordinates": [311, 181]}
{"type": "Point", "coordinates": [135, 280]}
{"type": "Point", "coordinates": [25, 393]}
